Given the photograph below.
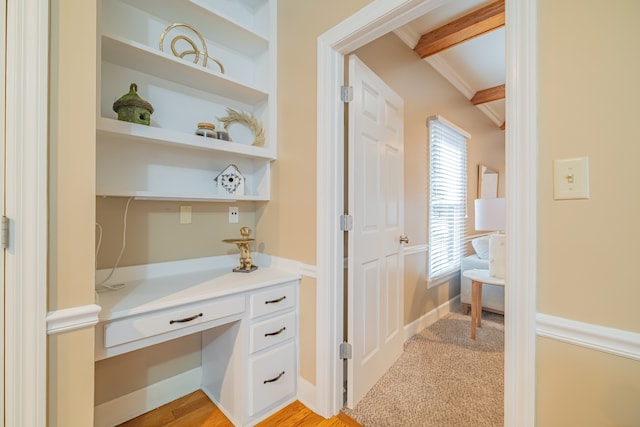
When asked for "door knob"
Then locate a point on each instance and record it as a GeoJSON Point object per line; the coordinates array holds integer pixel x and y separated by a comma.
{"type": "Point", "coordinates": [404, 239]}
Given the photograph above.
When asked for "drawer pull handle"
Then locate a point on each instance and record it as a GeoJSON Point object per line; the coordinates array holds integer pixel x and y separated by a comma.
{"type": "Point", "coordinates": [186, 319]}
{"type": "Point", "coordinates": [278, 332]}
{"type": "Point", "coordinates": [274, 378]}
{"type": "Point", "coordinates": [275, 301]}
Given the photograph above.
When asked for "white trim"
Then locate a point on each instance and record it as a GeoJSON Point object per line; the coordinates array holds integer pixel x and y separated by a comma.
{"type": "Point", "coordinates": [431, 317]}
{"type": "Point", "coordinates": [123, 408]}
{"type": "Point", "coordinates": [608, 340]}
{"type": "Point", "coordinates": [416, 249]}
{"type": "Point", "coordinates": [443, 278]}
{"type": "Point", "coordinates": [439, 118]}
{"type": "Point", "coordinates": [452, 76]}
{"type": "Point", "coordinates": [521, 156]}
{"type": "Point", "coordinates": [26, 82]}
{"type": "Point", "coordinates": [447, 71]}
{"type": "Point", "coordinates": [374, 20]}
{"type": "Point", "coordinates": [71, 319]}
{"type": "Point", "coordinates": [309, 270]}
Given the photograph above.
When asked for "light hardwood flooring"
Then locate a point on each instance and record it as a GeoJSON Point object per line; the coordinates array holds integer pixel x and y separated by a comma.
{"type": "Point", "coordinates": [196, 409]}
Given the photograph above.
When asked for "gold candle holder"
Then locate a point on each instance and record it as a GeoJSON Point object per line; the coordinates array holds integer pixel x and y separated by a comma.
{"type": "Point", "coordinates": [244, 244]}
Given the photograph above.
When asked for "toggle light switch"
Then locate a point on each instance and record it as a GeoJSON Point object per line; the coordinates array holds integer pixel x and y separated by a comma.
{"type": "Point", "coordinates": [571, 178]}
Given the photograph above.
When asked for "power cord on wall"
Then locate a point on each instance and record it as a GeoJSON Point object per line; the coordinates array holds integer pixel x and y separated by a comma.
{"type": "Point", "coordinates": [102, 286]}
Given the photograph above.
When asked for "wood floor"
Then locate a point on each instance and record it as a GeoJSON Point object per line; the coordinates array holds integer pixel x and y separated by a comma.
{"type": "Point", "coordinates": [196, 409]}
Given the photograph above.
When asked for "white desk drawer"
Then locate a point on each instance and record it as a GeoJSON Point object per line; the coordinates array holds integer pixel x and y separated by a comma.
{"type": "Point", "coordinates": [147, 325]}
{"type": "Point", "coordinates": [272, 331]}
{"type": "Point", "coordinates": [273, 377]}
{"type": "Point", "coordinates": [272, 300]}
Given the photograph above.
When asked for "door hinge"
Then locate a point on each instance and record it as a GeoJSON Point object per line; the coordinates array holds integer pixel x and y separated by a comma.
{"type": "Point", "coordinates": [4, 230]}
{"type": "Point", "coordinates": [346, 93]}
{"type": "Point", "coordinates": [346, 222]}
{"type": "Point", "coordinates": [345, 351]}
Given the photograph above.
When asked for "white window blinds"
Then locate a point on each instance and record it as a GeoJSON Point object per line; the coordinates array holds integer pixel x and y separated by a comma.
{"type": "Point", "coordinates": [447, 197]}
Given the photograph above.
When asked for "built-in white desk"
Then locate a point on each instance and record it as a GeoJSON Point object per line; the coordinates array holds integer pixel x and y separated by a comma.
{"type": "Point", "coordinates": [247, 321]}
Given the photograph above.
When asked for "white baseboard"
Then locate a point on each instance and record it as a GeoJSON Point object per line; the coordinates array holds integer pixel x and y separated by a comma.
{"type": "Point", "coordinates": [131, 405]}
{"type": "Point", "coordinates": [307, 394]}
{"type": "Point", "coordinates": [431, 317]}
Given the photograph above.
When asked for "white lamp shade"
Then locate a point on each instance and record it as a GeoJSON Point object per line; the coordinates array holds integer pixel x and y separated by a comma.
{"type": "Point", "coordinates": [490, 214]}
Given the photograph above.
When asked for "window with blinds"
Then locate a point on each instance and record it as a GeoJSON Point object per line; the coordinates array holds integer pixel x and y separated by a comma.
{"type": "Point", "coordinates": [447, 198]}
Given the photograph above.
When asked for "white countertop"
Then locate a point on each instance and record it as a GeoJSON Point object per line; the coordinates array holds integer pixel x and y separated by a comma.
{"type": "Point", "coordinates": [163, 285]}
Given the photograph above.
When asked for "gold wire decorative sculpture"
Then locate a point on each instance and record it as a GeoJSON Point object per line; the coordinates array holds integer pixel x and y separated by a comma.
{"type": "Point", "coordinates": [194, 49]}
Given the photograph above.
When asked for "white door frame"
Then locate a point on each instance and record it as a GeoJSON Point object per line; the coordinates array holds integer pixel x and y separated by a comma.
{"type": "Point", "coordinates": [371, 22]}
{"type": "Point", "coordinates": [26, 180]}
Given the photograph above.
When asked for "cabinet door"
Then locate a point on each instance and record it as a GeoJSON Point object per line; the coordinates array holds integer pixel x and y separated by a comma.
{"type": "Point", "coordinates": [273, 377]}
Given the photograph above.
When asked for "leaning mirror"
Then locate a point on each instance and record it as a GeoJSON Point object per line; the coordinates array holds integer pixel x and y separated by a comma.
{"type": "Point", "coordinates": [487, 182]}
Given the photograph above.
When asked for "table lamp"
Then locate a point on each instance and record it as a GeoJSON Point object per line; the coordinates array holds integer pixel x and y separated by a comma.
{"type": "Point", "coordinates": [490, 215]}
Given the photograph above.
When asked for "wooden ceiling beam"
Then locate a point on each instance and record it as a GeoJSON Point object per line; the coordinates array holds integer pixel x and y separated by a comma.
{"type": "Point", "coordinates": [478, 22]}
{"type": "Point", "coordinates": [488, 95]}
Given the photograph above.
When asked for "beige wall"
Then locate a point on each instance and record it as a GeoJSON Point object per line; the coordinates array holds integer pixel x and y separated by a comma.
{"type": "Point", "coordinates": [287, 225]}
{"type": "Point", "coordinates": [71, 207]}
{"type": "Point", "coordinates": [587, 249]}
{"type": "Point", "coordinates": [293, 205]}
{"type": "Point", "coordinates": [154, 232]}
{"type": "Point", "coordinates": [126, 373]}
{"type": "Point", "coordinates": [583, 387]}
{"type": "Point", "coordinates": [426, 93]}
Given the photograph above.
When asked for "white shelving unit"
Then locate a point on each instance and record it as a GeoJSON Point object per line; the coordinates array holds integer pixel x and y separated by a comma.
{"type": "Point", "coordinates": [167, 161]}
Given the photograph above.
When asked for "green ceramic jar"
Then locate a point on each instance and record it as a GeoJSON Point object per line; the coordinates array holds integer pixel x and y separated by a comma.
{"type": "Point", "coordinates": [131, 108]}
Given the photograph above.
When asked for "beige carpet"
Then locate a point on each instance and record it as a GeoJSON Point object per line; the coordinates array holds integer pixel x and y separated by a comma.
{"type": "Point", "coordinates": [443, 379]}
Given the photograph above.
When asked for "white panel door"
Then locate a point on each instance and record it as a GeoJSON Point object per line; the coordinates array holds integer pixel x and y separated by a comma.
{"type": "Point", "coordinates": [376, 202]}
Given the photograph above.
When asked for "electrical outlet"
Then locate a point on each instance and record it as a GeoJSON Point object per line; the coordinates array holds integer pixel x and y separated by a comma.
{"type": "Point", "coordinates": [234, 213]}
{"type": "Point", "coordinates": [185, 214]}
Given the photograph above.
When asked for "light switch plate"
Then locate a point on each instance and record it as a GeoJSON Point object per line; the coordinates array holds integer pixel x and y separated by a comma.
{"type": "Point", "coordinates": [571, 178]}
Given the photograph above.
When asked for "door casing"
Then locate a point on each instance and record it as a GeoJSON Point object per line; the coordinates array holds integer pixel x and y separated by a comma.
{"type": "Point", "coordinates": [26, 170]}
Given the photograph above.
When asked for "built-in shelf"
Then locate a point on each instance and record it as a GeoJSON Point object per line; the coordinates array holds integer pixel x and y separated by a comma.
{"type": "Point", "coordinates": [181, 197]}
{"type": "Point", "coordinates": [110, 129]}
{"type": "Point", "coordinates": [137, 56]}
{"type": "Point", "coordinates": [218, 20]}
{"type": "Point", "coordinates": [167, 160]}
